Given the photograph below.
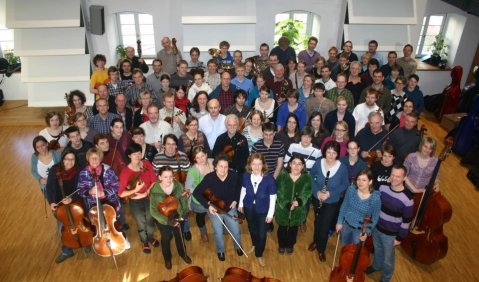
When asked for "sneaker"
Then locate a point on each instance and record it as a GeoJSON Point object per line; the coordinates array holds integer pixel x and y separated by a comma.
{"type": "Point", "coordinates": [62, 257]}
{"type": "Point", "coordinates": [250, 250]}
{"type": "Point", "coordinates": [146, 248]}
{"type": "Point", "coordinates": [261, 262]}
{"type": "Point", "coordinates": [127, 244]}
{"type": "Point", "coordinates": [155, 243]}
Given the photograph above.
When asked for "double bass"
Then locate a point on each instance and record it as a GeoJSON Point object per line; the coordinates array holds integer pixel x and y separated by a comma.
{"type": "Point", "coordinates": [353, 261]}
{"type": "Point", "coordinates": [426, 242]}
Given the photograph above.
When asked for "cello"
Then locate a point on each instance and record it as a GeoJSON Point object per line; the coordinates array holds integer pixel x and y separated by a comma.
{"type": "Point", "coordinates": [190, 274]}
{"type": "Point", "coordinates": [353, 261]}
{"type": "Point", "coordinates": [76, 233]}
{"type": "Point", "coordinates": [236, 274]}
{"type": "Point", "coordinates": [107, 242]}
{"type": "Point", "coordinates": [426, 242]}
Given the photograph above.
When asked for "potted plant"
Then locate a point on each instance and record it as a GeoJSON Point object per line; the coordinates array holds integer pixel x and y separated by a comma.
{"type": "Point", "coordinates": [121, 51]}
{"type": "Point", "coordinates": [439, 52]}
{"type": "Point", "coordinates": [291, 29]}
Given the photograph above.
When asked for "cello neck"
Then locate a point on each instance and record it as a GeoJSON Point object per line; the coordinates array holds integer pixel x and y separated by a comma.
{"type": "Point", "coordinates": [360, 245]}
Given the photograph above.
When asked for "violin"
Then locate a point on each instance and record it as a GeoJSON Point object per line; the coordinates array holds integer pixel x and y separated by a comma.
{"type": "Point", "coordinates": [353, 261]}
{"type": "Point", "coordinates": [220, 205]}
{"type": "Point", "coordinates": [135, 179]}
{"type": "Point", "coordinates": [190, 274]}
{"type": "Point", "coordinates": [179, 174]}
{"type": "Point", "coordinates": [426, 242]}
{"type": "Point", "coordinates": [107, 241]}
{"type": "Point", "coordinates": [230, 150]}
{"type": "Point", "coordinates": [244, 121]}
{"type": "Point", "coordinates": [76, 233]}
{"type": "Point", "coordinates": [170, 119]}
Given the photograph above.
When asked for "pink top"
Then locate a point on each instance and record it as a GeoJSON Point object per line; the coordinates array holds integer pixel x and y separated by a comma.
{"type": "Point", "coordinates": [343, 147]}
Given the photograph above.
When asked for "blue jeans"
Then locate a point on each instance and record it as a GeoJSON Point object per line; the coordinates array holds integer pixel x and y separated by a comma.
{"type": "Point", "coordinates": [384, 254]}
{"type": "Point", "coordinates": [349, 235]}
{"type": "Point", "coordinates": [257, 228]}
{"type": "Point", "coordinates": [200, 216]}
{"type": "Point", "coordinates": [232, 225]}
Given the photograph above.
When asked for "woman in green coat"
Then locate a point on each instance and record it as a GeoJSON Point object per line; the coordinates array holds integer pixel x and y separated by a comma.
{"type": "Point", "coordinates": [294, 188]}
{"type": "Point", "coordinates": [167, 186]}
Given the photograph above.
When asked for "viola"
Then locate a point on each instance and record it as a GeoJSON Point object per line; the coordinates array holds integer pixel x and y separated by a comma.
{"type": "Point", "coordinates": [190, 274]}
{"type": "Point", "coordinates": [353, 261]}
{"type": "Point", "coordinates": [107, 241]}
{"type": "Point", "coordinates": [76, 232]}
{"type": "Point", "coordinates": [220, 205]}
{"type": "Point", "coordinates": [426, 242]}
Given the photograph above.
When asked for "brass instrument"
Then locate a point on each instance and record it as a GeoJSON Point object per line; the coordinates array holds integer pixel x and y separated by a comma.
{"type": "Point", "coordinates": [214, 52]}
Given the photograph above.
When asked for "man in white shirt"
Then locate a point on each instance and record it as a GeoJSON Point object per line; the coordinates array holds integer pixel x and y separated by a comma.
{"type": "Point", "coordinates": [212, 124]}
{"type": "Point", "coordinates": [155, 129]}
{"type": "Point", "coordinates": [326, 78]}
{"type": "Point", "coordinates": [361, 111]}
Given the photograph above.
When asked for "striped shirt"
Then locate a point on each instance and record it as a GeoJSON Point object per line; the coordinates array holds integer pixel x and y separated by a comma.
{"type": "Point", "coordinates": [396, 212]}
{"type": "Point", "coordinates": [310, 154]}
{"type": "Point", "coordinates": [271, 154]}
{"type": "Point", "coordinates": [161, 159]}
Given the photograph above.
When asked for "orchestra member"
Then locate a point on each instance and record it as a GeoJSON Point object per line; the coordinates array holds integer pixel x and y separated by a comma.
{"type": "Point", "coordinates": [192, 137]}
{"type": "Point", "coordinates": [53, 133]}
{"type": "Point", "coordinates": [76, 104]}
{"type": "Point", "coordinates": [420, 166]}
{"type": "Point", "coordinates": [382, 169]}
{"type": "Point", "coordinates": [148, 151]}
{"type": "Point", "coordinates": [257, 202]}
{"type": "Point", "coordinates": [42, 160]}
{"type": "Point", "coordinates": [169, 226]}
{"type": "Point", "coordinates": [225, 184]}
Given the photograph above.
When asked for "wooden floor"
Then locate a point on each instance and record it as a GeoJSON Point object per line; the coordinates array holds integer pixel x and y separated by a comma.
{"type": "Point", "coordinates": [29, 243]}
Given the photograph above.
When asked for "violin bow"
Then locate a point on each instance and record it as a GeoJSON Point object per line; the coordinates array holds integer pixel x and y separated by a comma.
{"type": "Point", "coordinates": [224, 225]}
{"type": "Point", "coordinates": [385, 136]}
{"type": "Point", "coordinates": [336, 250]}
{"type": "Point", "coordinates": [74, 192]}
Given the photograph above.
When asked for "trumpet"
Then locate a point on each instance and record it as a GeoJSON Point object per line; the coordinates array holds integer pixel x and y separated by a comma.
{"type": "Point", "coordinates": [214, 52]}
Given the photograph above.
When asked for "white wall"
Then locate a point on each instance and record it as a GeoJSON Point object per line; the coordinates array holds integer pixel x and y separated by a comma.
{"type": "Point", "coordinates": [167, 20]}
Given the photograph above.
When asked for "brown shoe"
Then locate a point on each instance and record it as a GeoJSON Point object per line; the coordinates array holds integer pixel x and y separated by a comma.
{"type": "Point", "coordinates": [312, 247]}
{"type": "Point", "coordinates": [322, 257]}
{"type": "Point", "coordinates": [204, 238]}
{"type": "Point", "coordinates": [303, 228]}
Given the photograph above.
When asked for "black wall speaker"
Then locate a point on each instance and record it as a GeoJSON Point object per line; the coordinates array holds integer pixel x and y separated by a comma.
{"type": "Point", "coordinates": [97, 20]}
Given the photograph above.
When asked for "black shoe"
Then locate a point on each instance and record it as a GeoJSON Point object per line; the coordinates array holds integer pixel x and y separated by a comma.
{"type": "Point", "coordinates": [168, 264]}
{"type": "Point", "coordinates": [322, 256]}
{"type": "Point", "coordinates": [126, 226]}
{"type": "Point", "coordinates": [187, 259]}
{"type": "Point", "coordinates": [289, 251]}
{"type": "Point", "coordinates": [187, 235]}
{"type": "Point", "coordinates": [312, 247]}
{"type": "Point", "coordinates": [370, 269]}
{"type": "Point", "coordinates": [62, 257]}
{"type": "Point", "coordinates": [239, 252]}
{"type": "Point", "coordinates": [221, 256]}
{"type": "Point", "coordinates": [281, 251]}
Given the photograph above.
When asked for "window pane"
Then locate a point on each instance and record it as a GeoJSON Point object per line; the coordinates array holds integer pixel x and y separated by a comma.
{"type": "Point", "coordinates": [127, 19]}
{"type": "Point", "coordinates": [433, 30]}
{"type": "Point", "coordinates": [282, 17]}
{"type": "Point", "coordinates": [129, 40]}
{"type": "Point", "coordinates": [145, 18]}
{"type": "Point", "coordinates": [301, 17]}
{"type": "Point", "coordinates": [148, 50]}
{"type": "Point", "coordinates": [436, 20]}
{"type": "Point", "coordinates": [146, 29]}
{"type": "Point", "coordinates": [7, 45]}
{"type": "Point", "coordinates": [6, 34]}
{"type": "Point", "coordinates": [147, 40]}
{"type": "Point", "coordinates": [429, 40]}
{"type": "Point", "coordinates": [128, 30]}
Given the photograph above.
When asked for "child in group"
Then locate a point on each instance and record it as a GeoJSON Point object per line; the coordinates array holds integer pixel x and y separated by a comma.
{"type": "Point", "coordinates": [240, 81]}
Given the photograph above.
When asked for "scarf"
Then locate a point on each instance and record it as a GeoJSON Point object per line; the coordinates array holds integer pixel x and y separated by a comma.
{"type": "Point", "coordinates": [95, 174]}
{"type": "Point", "coordinates": [68, 174]}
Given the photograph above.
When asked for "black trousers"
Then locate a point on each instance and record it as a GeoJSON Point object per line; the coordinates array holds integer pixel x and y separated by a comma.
{"type": "Point", "coordinates": [167, 233]}
{"type": "Point", "coordinates": [287, 236]}
{"type": "Point", "coordinates": [327, 214]}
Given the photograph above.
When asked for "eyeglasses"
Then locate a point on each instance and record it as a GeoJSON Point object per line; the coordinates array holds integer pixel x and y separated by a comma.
{"type": "Point", "coordinates": [341, 130]}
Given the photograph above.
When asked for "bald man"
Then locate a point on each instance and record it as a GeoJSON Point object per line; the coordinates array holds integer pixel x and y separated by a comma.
{"type": "Point", "coordinates": [279, 84]}
{"type": "Point", "coordinates": [136, 62]}
{"type": "Point", "coordinates": [212, 124]}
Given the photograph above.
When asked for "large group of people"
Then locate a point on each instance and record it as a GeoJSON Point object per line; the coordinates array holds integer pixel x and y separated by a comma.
{"type": "Point", "coordinates": [265, 138]}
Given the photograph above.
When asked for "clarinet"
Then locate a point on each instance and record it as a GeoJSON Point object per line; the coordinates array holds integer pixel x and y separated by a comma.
{"type": "Point", "coordinates": [324, 190]}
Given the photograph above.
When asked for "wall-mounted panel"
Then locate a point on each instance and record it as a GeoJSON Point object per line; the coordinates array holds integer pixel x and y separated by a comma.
{"type": "Point", "coordinates": [61, 41]}
{"type": "Point", "coordinates": [389, 37]}
{"type": "Point", "coordinates": [382, 12]}
{"type": "Point", "coordinates": [41, 14]}
{"type": "Point", "coordinates": [56, 68]}
{"type": "Point", "coordinates": [51, 94]}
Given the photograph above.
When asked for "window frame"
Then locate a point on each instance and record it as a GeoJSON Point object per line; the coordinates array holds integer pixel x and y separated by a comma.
{"type": "Point", "coordinates": [310, 19]}
{"type": "Point", "coordinates": [137, 30]}
{"type": "Point", "coordinates": [4, 50]}
{"type": "Point", "coordinates": [422, 37]}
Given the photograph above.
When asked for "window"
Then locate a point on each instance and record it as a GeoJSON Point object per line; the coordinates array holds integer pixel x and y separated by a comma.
{"type": "Point", "coordinates": [133, 26]}
{"type": "Point", "coordinates": [308, 28]}
{"type": "Point", "coordinates": [431, 26]}
{"type": "Point", "coordinates": [6, 41]}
